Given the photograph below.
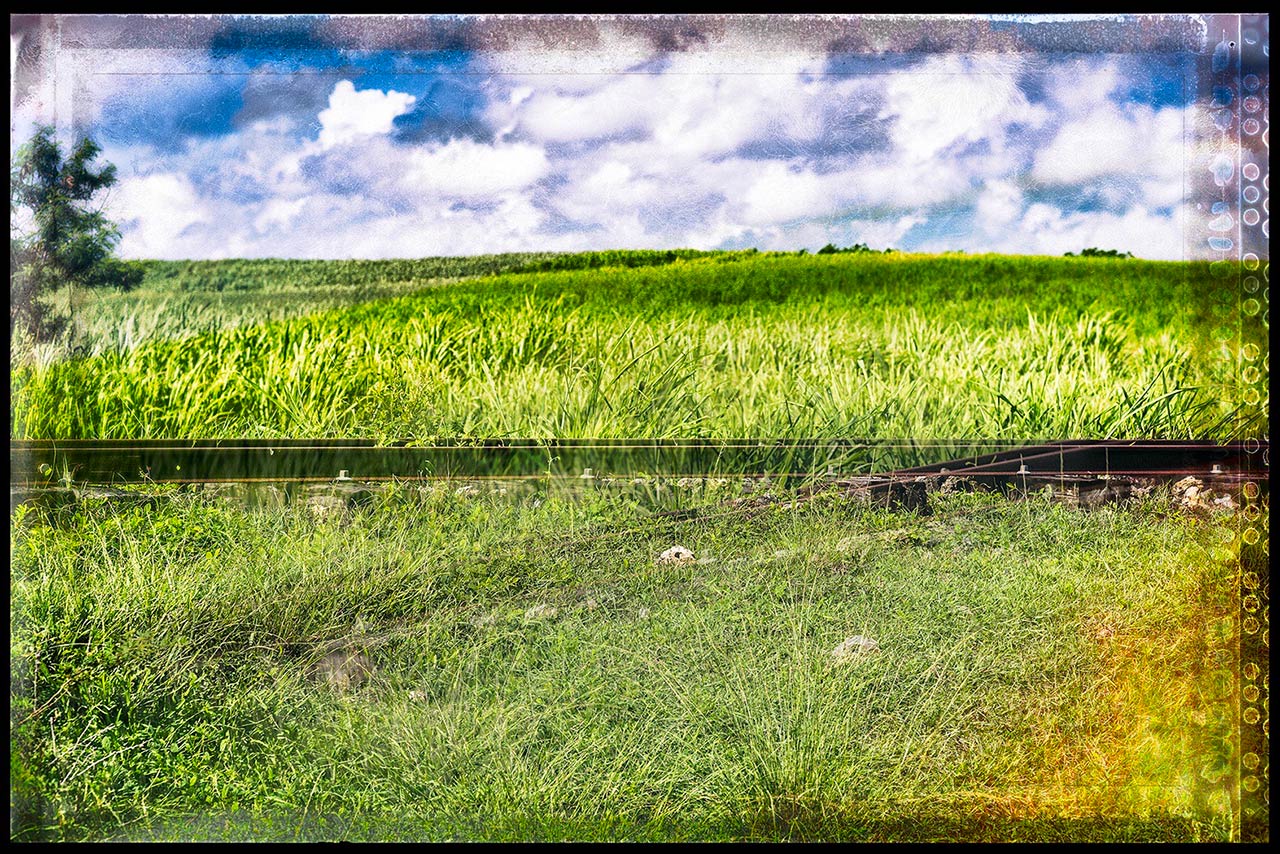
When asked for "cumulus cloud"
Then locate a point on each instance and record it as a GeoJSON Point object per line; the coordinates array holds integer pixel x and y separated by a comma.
{"type": "Point", "coordinates": [1052, 231]}
{"type": "Point", "coordinates": [1108, 141]}
{"type": "Point", "coordinates": [352, 115]}
{"type": "Point", "coordinates": [954, 100]}
{"type": "Point", "coordinates": [561, 113]}
{"type": "Point", "coordinates": [155, 212]}
{"type": "Point", "coordinates": [716, 145]}
{"type": "Point", "coordinates": [278, 214]}
{"type": "Point", "coordinates": [781, 194]}
{"type": "Point", "coordinates": [465, 169]}
{"type": "Point", "coordinates": [999, 205]}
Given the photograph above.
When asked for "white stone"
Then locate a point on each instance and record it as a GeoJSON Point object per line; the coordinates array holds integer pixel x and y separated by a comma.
{"type": "Point", "coordinates": [676, 554]}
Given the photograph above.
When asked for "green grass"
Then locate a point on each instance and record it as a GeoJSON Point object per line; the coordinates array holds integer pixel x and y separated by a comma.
{"type": "Point", "coordinates": [726, 345]}
{"type": "Point", "coordinates": [177, 299]}
{"type": "Point", "coordinates": [1044, 673]}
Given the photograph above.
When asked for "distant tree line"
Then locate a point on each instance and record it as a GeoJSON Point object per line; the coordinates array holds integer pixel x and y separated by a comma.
{"type": "Point", "coordinates": [832, 249]}
{"type": "Point", "coordinates": [1094, 252]}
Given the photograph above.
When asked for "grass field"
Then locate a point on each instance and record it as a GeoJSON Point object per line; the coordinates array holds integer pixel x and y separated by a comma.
{"type": "Point", "coordinates": [533, 673]}
{"type": "Point", "coordinates": [712, 345]}
{"type": "Point", "coordinates": [527, 669]}
{"type": "Point", "coordinates": [177, 299]}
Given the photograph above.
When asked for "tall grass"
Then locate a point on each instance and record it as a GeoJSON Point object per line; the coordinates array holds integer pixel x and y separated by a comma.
{"type": "Point", "coordinates": [875, 346]}
{"type": "Point", "coordinates": [183, 298]}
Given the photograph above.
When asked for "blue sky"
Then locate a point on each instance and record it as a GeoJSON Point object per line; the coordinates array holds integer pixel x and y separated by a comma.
{"type": "Point", "coordinates": [315, 137]}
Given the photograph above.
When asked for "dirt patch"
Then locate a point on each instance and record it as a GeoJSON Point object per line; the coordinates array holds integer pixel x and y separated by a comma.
{"type": "Point", "coordinates": [344, 670]}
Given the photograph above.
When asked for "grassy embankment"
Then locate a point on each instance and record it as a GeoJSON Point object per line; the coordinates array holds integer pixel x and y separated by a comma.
{"type": "Point", "coordinates": [721, 346]}
{"type": "Point", "coordinates": [177, 299]}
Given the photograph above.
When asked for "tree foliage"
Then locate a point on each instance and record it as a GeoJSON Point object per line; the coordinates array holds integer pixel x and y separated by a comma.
{"type": "Point", "coordinates": [62, 239]}
{"type": "Point", "coordinates": [1095, 252]}
{"type": "Point", "coordinates": [832, 249]}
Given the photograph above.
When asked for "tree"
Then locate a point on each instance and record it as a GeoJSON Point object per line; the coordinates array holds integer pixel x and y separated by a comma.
{"type": "Point", "coordinates": [67, 242]}
{"type": "Point", "coordinates": [1095, 252]}
{"type": "Point", "coordinates": [832, 249]}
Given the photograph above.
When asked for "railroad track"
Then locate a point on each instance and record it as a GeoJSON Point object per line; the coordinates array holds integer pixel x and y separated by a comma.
{"type": "Point", "coordinates": [318, 461]}
{"type": "Point", "coordinates": [1093, 472]}
{"type": "Point", "coordinates": [851, 463]}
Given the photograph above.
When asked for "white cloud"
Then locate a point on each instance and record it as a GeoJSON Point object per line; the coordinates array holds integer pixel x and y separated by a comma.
{"type": "Point", "coordinates": [881, 234]}
{"type": "Point", "coordinates": [897, 182]}
{"type": "Point", "coordinates": [1136, 141]}
{"type": "Point", "coordinates": [1046, 229]}
{"type": "Point", "coordinates": [278, 213]}
{"type": "Point", "coordinates": [781, 194]}
{"type": "Point", "coordinates": [1137, 230]}
{"type": "Point", "coordinates": [956, 99]}
{"type": "Point", "coordinates": [1081, 84]}
{"type": "Point", "coordinates": [692, 108]}
{"type": "Point", "coordinates": [154, 211]}
{"type": "Point", "coordinates": [549, 113]}
{"type": "Point", "coordinates": [352, 115]}
{"type": "Point", "coordinates": [464, 169]}
{"type": "Point", "coordinates": [685, 154]}
{"type": "Point", "coordinates": [999, 205]}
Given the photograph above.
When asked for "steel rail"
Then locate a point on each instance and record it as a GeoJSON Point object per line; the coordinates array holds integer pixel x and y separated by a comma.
{"type": "Point", "coordinates": [42, 463]}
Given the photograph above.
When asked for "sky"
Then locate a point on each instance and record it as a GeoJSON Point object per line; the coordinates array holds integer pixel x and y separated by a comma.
{"type": "Point", "coordinates": [369, 137]}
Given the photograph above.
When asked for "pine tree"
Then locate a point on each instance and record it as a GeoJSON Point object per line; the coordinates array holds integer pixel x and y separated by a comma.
{"type": "Point", "coordinates": [69, 243]}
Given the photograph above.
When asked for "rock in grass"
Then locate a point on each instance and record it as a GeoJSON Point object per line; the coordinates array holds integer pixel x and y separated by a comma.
{"type": "Point", "coordinates": [854, 649]}
{"type": "Point", "coordinates": [1193, 495]}
{"type": "Point", "coordinates": [676, 554]}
